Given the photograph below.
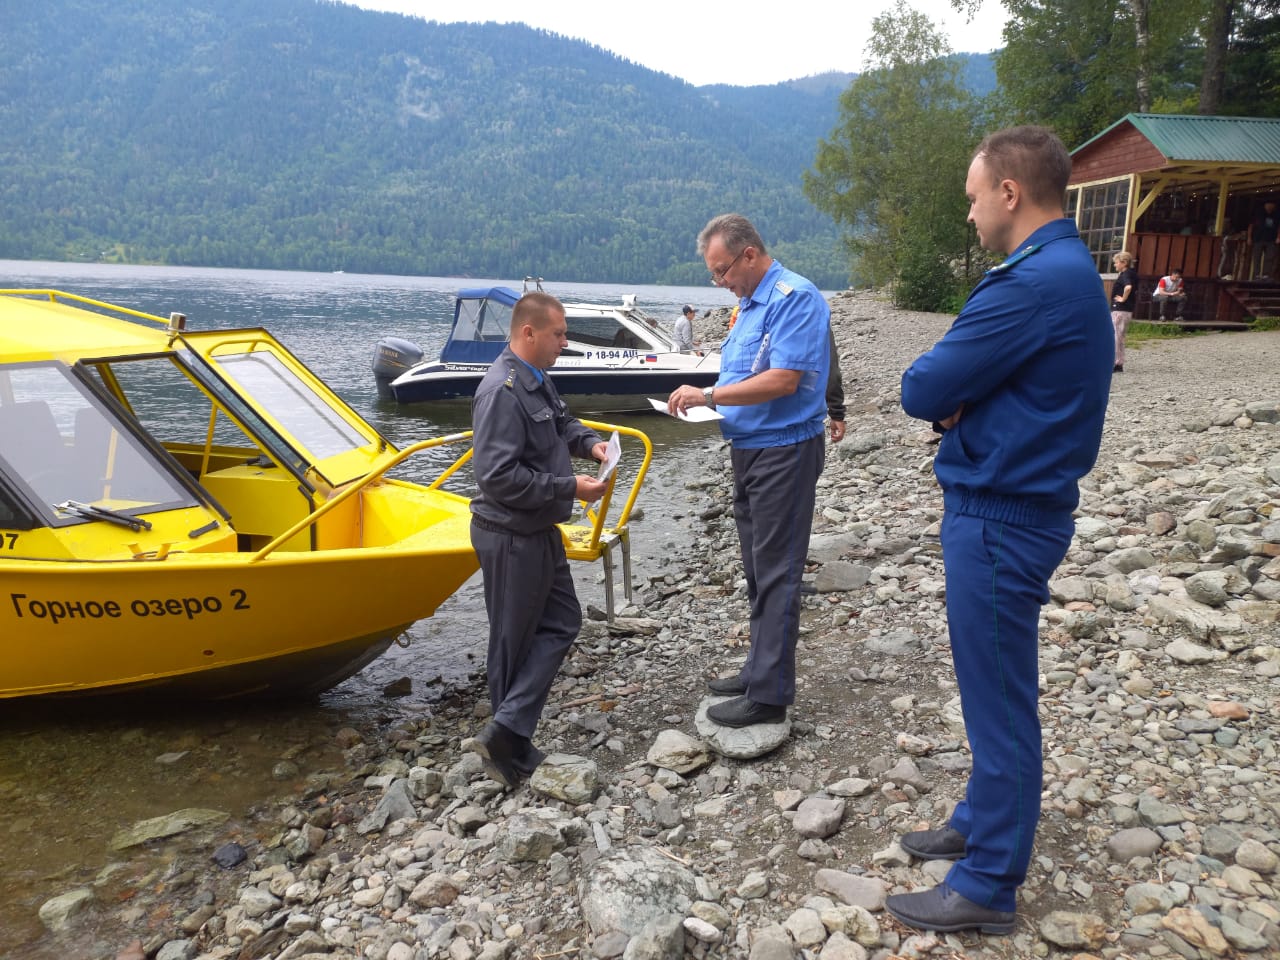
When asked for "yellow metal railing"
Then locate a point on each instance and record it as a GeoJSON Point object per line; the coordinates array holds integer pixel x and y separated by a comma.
{"type": "Point", "coordinates": [596, 540]}
{"type": "Point", "coordinates": [56, 295]}
{"type": "Point", "coordinates": [354, 488]}
{"type": "Point", "coordinates": [598, 513]}
{"type": "Point", "coordinates": [592, 541]}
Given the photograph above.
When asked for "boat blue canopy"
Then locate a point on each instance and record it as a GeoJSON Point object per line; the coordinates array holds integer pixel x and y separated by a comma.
{"type": "Point", "coordinates": [481, 325]}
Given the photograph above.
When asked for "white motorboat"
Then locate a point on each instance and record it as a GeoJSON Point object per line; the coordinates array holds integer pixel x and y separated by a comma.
{"type": "Point", "coordinates": [617, 351]}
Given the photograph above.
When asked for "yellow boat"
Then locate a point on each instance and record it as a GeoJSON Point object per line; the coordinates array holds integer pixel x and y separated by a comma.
{"type": "Point", "coordinates": [196, 510]}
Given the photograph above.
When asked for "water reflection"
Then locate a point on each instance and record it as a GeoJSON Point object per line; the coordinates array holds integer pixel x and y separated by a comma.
{"type": "Point", "coordinates": [71, 775]}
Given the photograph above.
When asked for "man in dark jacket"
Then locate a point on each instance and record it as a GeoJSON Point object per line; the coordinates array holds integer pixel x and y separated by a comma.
{"type": "Point", "coordinates": [523, 440]}
{"type": "Point", "coordinates": [1018, 387]}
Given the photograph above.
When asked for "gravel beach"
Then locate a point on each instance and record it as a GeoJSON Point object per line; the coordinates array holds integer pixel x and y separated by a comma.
{"type": "Point", "coordinates": [649, 834]}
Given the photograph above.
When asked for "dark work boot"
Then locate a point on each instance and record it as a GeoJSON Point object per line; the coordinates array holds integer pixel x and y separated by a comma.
{"type": "Point", "coordinates": [496, 746]}
{"type": "Point", "coordinates": [941, 844]}
{"type": "Point", "coordinates": [941, 908]}
{"type": "Point", "coordinates": [728, 686]}
{"type": "Point", "coordinates": [742, 712]}
{"type": "Point", "coordinates": [527, 757]}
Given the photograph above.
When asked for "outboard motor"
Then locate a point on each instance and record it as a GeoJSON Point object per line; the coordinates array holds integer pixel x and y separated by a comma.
{"type": "Point", "coordinates": [391, 357]}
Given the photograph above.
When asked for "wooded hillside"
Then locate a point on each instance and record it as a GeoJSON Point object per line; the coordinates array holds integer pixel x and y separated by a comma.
{"type": "Point", "coordinates": [299, 134]}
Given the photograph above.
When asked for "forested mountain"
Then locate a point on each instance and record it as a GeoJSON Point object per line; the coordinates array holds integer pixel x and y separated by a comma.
{"type": "Point", "coordinates": [301, 134]}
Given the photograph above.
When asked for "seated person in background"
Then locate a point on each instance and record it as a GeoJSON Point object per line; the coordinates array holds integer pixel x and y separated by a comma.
{"type": "Point", "coordinates": [1171, 288]}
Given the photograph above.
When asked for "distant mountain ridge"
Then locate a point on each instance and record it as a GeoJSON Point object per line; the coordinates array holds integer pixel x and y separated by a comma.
{"type": "Point", "coordinates": [306, 134]}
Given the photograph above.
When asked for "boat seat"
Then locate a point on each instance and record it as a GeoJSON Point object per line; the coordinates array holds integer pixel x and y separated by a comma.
{"type": "Point", "coordinates": [92, 442]}
{"type": "Point", "coordinates": [34, 446]}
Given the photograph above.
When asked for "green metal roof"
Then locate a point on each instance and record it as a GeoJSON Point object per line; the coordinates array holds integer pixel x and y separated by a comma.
{"type": "Point", "coordinates": [1205, 139]}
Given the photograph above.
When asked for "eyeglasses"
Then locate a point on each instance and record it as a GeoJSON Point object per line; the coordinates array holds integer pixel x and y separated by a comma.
{"type": "Point", "coordinates": [717, 276]}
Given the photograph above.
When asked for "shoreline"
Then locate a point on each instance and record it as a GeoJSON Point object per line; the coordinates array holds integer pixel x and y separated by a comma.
{"type": "Point", "coordinates": [1160, 827]}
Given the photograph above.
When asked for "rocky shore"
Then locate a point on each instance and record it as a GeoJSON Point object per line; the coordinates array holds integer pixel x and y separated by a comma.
{"type": "Point", "coordinates": [649, 834]}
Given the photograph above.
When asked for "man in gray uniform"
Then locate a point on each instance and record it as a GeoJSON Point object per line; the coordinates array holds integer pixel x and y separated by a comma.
{"type": "Point", "coordinates": [684, 330]}
{"type": "Point", "coordinates": [523, 440]}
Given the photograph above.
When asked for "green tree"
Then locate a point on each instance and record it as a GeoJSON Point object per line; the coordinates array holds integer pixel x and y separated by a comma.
{"type": "Point", "coordinates": [1080, 66]}
{"type": "Point", "coordinates": [892, 171]}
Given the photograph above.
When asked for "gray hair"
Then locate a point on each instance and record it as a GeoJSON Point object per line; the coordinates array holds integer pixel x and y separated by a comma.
{"type": "Point", "coordinates": [735, 231]}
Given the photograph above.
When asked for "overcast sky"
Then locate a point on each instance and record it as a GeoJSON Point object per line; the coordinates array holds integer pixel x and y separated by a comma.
{"type": "Point", "coordinates": [739, 42]}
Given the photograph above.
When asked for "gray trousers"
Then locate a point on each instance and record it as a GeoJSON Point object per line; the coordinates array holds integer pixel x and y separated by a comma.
{"type": "Point", "coordinates": [774, 489]}
{"type": "Point", "coordinates": [534, 617]}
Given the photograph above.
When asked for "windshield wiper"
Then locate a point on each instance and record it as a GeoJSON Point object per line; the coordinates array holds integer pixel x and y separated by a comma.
{"type": "Point", "coordinates": [90, 512]}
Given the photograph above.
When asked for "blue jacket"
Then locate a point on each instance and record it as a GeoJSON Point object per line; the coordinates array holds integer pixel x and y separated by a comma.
{"type": "Point", "coordinates": [1030, 358]}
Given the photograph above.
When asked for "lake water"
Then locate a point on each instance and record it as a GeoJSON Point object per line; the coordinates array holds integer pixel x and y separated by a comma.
{"type": "Point", "coordinates": [71, 776]}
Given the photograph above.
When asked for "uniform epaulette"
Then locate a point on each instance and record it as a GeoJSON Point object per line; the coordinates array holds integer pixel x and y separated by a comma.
{"type": "Point", "coordinates": [510, 382]}
{"type": "Point", "coordinates": [1020, 255]}
{"type": "Point", "coordinates": [783, 288]}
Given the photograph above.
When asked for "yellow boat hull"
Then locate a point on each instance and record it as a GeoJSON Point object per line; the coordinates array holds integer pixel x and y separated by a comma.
{"type": "Point", "coordinates": [293, 623]}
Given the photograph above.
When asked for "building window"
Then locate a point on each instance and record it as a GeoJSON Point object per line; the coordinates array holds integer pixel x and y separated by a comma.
{"type": "Point", "coordinates": [1100, 212]}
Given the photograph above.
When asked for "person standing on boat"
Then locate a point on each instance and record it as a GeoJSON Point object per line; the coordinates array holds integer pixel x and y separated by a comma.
{"type": "Point", "coordinates": [523, 440]}
{"type": "Point", "coordinates": [772, 394]}
{"type": "Point", "coordinates": [684, 330]}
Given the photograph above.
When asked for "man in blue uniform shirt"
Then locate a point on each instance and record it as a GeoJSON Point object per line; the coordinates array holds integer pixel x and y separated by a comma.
{"type": "Point", "coordinates": [1018, 387]}
{"type": "Point", "coordinates": [772, 393]}
{"type": "Point", "coordinates": [523, 440]}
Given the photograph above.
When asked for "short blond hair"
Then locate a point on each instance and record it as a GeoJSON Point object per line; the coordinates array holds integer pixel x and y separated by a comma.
{"type": "Point", "coordinates": [1124, 256]}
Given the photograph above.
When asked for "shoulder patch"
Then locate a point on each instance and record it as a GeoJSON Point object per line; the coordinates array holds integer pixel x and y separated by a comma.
{"type": "Point", "coordinates": [1015, 258]}
{"type": "Point", "coordinates": [783, 288]}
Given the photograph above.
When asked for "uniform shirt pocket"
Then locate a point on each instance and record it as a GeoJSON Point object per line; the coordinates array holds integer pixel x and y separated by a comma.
{"type": "Point", "coordinates": [542, 428]}
{"type": "Point", "coordinates": [739, 355]}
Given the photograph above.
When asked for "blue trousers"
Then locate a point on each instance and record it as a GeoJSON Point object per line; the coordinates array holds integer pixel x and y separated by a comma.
{"type": "Point", "coordinates": [774, 489]}
{"type": "Point", "coordinates": [534, 617]}
{"type": "Point", "coordinates": [997, 581]}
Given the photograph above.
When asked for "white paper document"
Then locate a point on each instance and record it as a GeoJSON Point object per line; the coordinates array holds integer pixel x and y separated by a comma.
{"type": "Point", "coordinates": [613, 453]}
{"type": "Point", "coordinates": [692, 415]}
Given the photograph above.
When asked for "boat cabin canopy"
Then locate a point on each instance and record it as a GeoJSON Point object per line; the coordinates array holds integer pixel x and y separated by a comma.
{"type": "Point", "coordinates": [100, 412]}
{"type": "Point", "coordinates": [481, 325]}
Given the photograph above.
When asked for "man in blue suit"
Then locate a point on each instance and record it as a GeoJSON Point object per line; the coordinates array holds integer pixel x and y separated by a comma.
{"type": "Point", "coordinates": [1018, 389]}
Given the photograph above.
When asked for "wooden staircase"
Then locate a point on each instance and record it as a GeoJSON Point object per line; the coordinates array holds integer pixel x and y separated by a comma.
{"type": "Point", "coordinates": [1255, 298]}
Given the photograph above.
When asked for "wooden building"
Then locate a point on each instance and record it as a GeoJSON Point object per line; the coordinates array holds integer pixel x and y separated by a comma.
{"type": "Point", "coordinates": [1181, 191]}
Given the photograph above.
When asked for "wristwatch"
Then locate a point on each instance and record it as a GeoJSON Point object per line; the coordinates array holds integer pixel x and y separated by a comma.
{"type": "Point", "coordinates": [710, 394]}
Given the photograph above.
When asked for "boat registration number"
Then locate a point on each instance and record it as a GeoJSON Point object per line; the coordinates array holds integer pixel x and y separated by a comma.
{"type": "Point", "coordinates": [56, 611]}
{"type": "Point", "coordinates": [610, 354]}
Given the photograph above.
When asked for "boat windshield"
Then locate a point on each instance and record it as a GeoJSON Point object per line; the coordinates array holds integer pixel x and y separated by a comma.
{"type": "Point", "coordinates": [482, 319]}
{"type": "Point", "coordinates": [306, 415]}
{"type": "Point", "coordinates": [606, 328]}
{"type": "Point", "coordinates": [59, 442]}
